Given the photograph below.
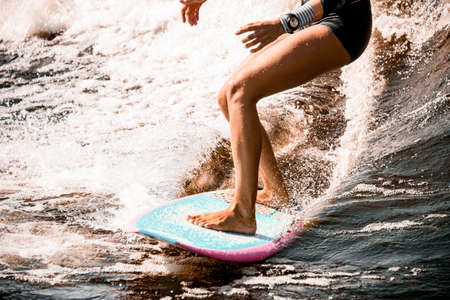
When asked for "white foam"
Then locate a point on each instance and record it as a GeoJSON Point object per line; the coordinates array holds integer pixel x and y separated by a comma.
{"type": "Point", "coordinates": [423, 22]}
{"type": "Point", "coordinates": [373, 189]}
{"type": "Point", "coordinates": [436, 216]}
{"type": "Point", "coordinates": [231, 291]}
{"type": "Point", "coordinates": [406, 224]}
{"type": "Point", "coordinates": [21, 19]}
{"type": "Point", "coordinates": [360, 86]}
{"type": "Point", "coordinates": [383, 226]}
{"type": "Point", "coordinates": [359, 89]}
{"type": "Point", "coordinates": [416, 271]}
{"type": "Point", "coordinates": [151, 122]}
{"type": "Point", "coordinates": [26, 241]}
{"type": "Point", "coordinates": [272, 281]}
{"type": "Point", "coordinates": [196, 293]}
{"type": "Point", "coordinates": [141, 114]}
{"type": "Point", "coordinates": [56, 274]}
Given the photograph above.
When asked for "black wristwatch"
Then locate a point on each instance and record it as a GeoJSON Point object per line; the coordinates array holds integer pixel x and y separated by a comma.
{"type": "Point", "coordinates": [292, 22]}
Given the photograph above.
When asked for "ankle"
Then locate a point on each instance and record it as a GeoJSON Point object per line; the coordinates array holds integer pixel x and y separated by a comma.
{"type": "Point", "coordinates": [240, 210]}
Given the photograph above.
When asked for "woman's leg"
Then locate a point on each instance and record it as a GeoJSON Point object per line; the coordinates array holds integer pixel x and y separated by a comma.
{"type": "Point", "coordinates": [274, 192]}
{"type": "Point", "coordinates": [288, 63]}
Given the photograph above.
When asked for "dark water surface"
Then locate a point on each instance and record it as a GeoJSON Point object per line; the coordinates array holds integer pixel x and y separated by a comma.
{"type": "Point", "coordinates": [93, 129]}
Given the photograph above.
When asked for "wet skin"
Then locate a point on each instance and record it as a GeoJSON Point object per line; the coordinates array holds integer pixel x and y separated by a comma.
{"type": "Point", "coordinates": [288, 61]}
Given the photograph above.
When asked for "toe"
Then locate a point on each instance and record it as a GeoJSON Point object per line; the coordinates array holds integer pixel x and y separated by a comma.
{"type": "Point", "coordinates": [202, 223]}
{"type": "Point", "coordinates": [193, 219]}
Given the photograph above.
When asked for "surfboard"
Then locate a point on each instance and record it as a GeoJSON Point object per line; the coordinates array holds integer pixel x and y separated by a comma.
{"type": "Point", "coordinates": [275, 229]}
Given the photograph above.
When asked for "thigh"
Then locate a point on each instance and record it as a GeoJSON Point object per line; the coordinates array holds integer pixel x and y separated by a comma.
{"type": "Point", "coordinates": [291, 61]}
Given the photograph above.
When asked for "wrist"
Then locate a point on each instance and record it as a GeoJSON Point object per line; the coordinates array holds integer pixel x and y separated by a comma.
{"type": "Point", "coordinates": [298, 19]}
{"type": "Point", "coordinates": [278, 26]}
{"type": "Point", "coordinates": [289, 23]}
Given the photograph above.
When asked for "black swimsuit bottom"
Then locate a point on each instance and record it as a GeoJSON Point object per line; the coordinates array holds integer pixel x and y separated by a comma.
{"type": "Point", "coordinates": [352, 25]}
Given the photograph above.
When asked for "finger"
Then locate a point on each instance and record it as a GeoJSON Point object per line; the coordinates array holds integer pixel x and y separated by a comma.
{"type": "Point", "coordinates": [259, 47]}
{"type": "Point", "coordinates": [249, 37]}
{"type": "Point", "coordinates": [256, 49]}
{"type": "Point", "coordinates": [194, 14]}
{"type": "Point", "coordinates": [183, 13]}
{"type": "Point", "coordinates": [247, 28]}
{"type": "Point", "coordinates": [265, 42]}
{"type": "Point", "coordinates": [262, 43]}
{"type": "Point", "coordinates": [252, 43]}
{"type": "Point", "coordinates": [197, 16]}
{"type": "Point", "coordinates": [189, 14]}
{"type": "Point", "coordinates": [191, 1]}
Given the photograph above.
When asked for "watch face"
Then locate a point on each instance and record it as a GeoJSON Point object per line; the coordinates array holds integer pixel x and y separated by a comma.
{"type": "Point", "coordinates": [293, 22]}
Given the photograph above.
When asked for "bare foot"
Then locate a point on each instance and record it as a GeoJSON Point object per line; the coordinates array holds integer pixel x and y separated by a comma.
{"type": "Point", "coordinates": [269, 198]}
{"type": "Point", "coordinates": [225, 220]}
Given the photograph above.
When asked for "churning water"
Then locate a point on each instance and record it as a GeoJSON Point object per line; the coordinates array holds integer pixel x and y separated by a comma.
{"type": "Point", "coordinates": [109, 107]}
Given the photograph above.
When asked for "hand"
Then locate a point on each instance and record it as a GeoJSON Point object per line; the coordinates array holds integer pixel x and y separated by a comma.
{"type": "Point", "coordinates": [190, 10]}
{"type": "Point", "coordinates": [262, 33]}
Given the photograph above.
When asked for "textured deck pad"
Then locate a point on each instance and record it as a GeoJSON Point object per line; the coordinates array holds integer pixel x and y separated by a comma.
{"type": "Point", "coordinates": [168, 223]}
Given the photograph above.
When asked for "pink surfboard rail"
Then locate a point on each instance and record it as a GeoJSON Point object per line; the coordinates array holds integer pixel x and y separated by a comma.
{"type": "Point", "coordinates": [250, 255]}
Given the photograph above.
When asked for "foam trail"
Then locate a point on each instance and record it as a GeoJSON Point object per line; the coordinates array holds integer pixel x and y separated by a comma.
{"type": "Point", "coordinates": [359, 90]}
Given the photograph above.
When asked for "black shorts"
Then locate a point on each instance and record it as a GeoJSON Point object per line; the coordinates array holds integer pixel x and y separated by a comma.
{"type": "Point", "coordinates": [352, 25]}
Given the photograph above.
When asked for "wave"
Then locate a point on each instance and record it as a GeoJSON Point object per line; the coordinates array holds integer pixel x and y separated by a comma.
{"type": "Point", "coordinates": [102, 112]}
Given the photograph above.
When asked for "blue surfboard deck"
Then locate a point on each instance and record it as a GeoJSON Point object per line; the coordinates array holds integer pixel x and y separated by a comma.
{"type": "Point", "coordinates": [275, 230]}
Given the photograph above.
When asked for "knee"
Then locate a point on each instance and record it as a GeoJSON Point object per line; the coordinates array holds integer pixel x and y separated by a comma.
{"type": "Point", "coordinates": [222, 98]}
{"type": "Point", "coordinates": [240, 90]}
